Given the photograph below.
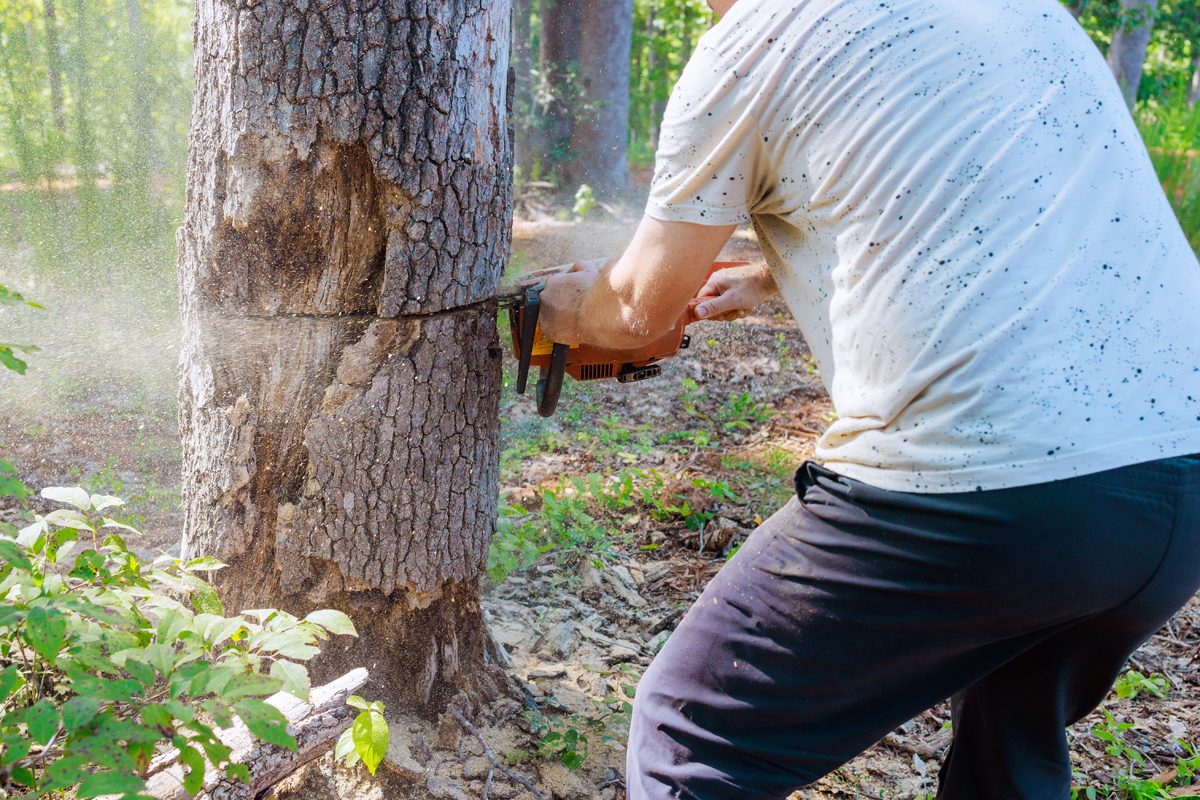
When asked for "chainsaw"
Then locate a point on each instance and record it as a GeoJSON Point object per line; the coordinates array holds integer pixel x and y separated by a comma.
{"type": "Point", "coordinates": [584, 362]}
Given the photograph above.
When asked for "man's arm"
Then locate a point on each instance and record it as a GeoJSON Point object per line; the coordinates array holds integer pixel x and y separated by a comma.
{"type": "Point", "coordinates": [637, 297]}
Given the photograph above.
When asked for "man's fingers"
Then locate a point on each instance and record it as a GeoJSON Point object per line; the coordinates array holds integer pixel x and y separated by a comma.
{"type": "Point", "coordinates": [716, 307]}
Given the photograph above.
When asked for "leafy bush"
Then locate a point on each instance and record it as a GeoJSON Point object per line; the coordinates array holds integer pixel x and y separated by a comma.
{"type": "Point", "coordinates": [103, 659]}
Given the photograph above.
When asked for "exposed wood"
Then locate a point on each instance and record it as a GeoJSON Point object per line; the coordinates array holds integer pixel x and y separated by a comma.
{"type": "Point", "coordinates": [316, 725]}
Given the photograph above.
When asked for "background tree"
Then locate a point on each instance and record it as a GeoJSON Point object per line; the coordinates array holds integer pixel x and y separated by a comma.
{"type": "Point", "coordinates": [349, 203]}
{"type": "Point", "coordinates": [558, 65]}
{"type": "Point", "coordinates": [523, 85]}
{"type": "Point", "coordinates": [600, 135]}
{"type": "Point", "coordinates": [1131, 39]}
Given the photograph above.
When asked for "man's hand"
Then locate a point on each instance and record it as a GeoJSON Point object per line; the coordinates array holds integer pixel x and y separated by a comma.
{"type": "Point", "coordinates": [734, 292]}
{"type": "Point", "coordinates": [563, 298]}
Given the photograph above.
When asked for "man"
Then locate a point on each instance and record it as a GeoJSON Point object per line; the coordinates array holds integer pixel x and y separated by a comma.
{"type": "Point", "coordinates": [956, 206]}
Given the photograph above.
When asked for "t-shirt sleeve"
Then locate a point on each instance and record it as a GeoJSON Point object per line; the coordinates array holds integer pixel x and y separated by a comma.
{"type": "Point", "coordinates": [707, 168]}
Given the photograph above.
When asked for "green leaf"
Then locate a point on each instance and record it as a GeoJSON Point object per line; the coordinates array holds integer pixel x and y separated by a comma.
{"type": "Point", "coordinates": [42, 720]}
{"type": "Point", "coordinates": [212, 680]}
{"type": "Point", "coordinates": [45, 629]}
{"type": "Point", "coordinates": [69, 495]}
{"type": "Point", "coordinates": [333, 621]}
{"type": "Point", "coordinates": [206, 601]}
{"type": "Point", "coordinates": [13, 554]}
{"type": "Point", "coordinates": [10, 482]}
{"type": "Point", "coordinates": [344, 751]}
{"type": "Point", "coordinates": [9, 679]}
{"type": "Point", "coordinates": [23, 776]}
{"type": "Point", "coordinates": [69, 518]}
{"type": "Point", "coordinates": [238, 772]}
{"type": "Point", "coordinates": [101, 783]}
{"type": "Point", "coordinates": [11, 361]}
{"type": "Point", "coordinates": [102, 501]}
{"type": "Point", "coordinates": [193, 781]}
{"type": "Point", "coordinates": [243, 685]}
{"type": "Point", "coordinates": [204, 564]}
{"type": "Point", "coordinates": [16, 747]}
{"type": "Point", "coordinates": [354, 701]}
{"type": "Point", "coordinates": [294, 677]}
{"type": "Point", "coordinates": [63, 773]}
{"type": "Point", "coordinates": [158, 717]}
{"type": "Point", "coordinates": [142, 672]}
{"type": "Point", "coordinates": [370, 732]}
{"type": "Point", "coordinates": [170, 625]}
{"type": "Point", "coordinates": [79, 711]}
{"type": "Point", "coordinates": [265, 721]}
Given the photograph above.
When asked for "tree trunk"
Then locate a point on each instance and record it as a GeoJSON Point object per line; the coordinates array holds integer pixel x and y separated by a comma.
{"type": "Point", "coordinates": [86, 168]}
{"type": "Point", "coordinates": [562, 24]}
{"type": "Point", "coordinates": [348, 218]}
{"type": "Point", "coordinates": [522, 63]}
{"type": "Point", "coordinates": [1078, 8]}
{"type": "Point", "coordinates": [1194, 89]}
{"type": "Point", "coordinates": [1131, 39]}
{"type": "Point", "coordinates": [54, 67]}
{"type": "Point", "coordinates": [600, 136]}
{"type": "Point", "coordinates": [145, 159]}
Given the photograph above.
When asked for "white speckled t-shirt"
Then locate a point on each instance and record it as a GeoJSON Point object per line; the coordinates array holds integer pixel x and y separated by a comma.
{"type": "Point", "coordinates": [964, 221]}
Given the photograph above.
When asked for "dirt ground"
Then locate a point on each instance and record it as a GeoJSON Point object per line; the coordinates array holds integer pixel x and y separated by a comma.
{"type": "Point", "coordinates": [721, 430]}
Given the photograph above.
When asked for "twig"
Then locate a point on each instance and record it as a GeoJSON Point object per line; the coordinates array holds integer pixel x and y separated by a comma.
{"type": "Point", "coordinates": [487, 751]}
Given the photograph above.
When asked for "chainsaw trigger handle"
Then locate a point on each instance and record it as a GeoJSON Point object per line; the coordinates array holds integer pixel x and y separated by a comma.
{"type": "Point", "coordinates": [550, 384]}
{"type": "Point", "coordinates": [529, 321]}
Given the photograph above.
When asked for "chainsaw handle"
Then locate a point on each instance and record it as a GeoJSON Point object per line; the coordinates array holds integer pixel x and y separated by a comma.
{"type": "Point", "coordinates": [529, 321]}
{"type": "Point", "coordinates": [549, 386]}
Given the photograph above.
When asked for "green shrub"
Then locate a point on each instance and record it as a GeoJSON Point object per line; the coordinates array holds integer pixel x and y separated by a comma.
{"type": "Point", "coordinates": [104, 660]}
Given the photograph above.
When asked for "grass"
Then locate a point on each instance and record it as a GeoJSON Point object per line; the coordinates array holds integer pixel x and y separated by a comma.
{"type": "Point", "coordinates": [1171, 131]}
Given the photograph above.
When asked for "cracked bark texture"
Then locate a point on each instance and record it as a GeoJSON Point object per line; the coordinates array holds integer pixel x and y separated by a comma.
{"type": "Point", "coordinates": [348, 212]}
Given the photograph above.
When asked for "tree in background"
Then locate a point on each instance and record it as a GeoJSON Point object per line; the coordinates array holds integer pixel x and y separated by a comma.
{"type": "Point", "coordinates": [600, 134]}
{"type": "Point", "coordinates": [1130, 41]}
{"type": "Point", "coordinates": [561, 30]}
{"type": "Point", "coordinates": [664, 34]}
{"type": "Point", "coordinates": [349, 209]}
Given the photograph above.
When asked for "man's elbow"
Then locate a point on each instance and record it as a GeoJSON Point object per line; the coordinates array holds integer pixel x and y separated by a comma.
{"type": "Point", "coordinates": [641, 327]}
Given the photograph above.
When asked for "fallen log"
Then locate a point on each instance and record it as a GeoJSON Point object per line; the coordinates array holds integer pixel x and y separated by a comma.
{"type": "Point", "coordinates": [316, 725]}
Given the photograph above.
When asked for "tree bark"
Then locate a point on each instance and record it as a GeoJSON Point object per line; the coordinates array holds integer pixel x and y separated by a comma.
{"type": "Point", "coordinates": [600, 135]}
{"type": "Point", "coordinates": [1078, 8]}
{"type": "Point", "coordinates": [348, 217]}
{"type": "Point", "coordinates": [562, 26]}
{"type": "Point", "coordinates": [1131, 39]}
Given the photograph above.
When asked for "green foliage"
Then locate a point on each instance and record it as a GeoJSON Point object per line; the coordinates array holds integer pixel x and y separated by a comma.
{"type": "Point", "coordinates": [367, 739]}
{"type": "Point", "coordinates": [742, 412]}
{"type": "Point", "coordinates": [563, 525]}
{"type": "Point", "coordinates": [108, 659]}
{"type": "Point", "coordinates": [1171, 130]}
{"type": "Point", "coordinates": [565, 743]}
{"type": "Point", "coordinates": [8, 351]}
{"type": "Point", "coordinates": [665, 33]}
{"type": "Point", "coordinates": [585, 202]}
{"type": "Point", "coordinates": [1130, 780]}
{"type": "Point", "coordinates": [1134, 683]}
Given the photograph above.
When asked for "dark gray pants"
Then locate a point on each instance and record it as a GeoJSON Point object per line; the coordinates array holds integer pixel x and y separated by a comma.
{"type": "Point", "coordinates": [853, 609]}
